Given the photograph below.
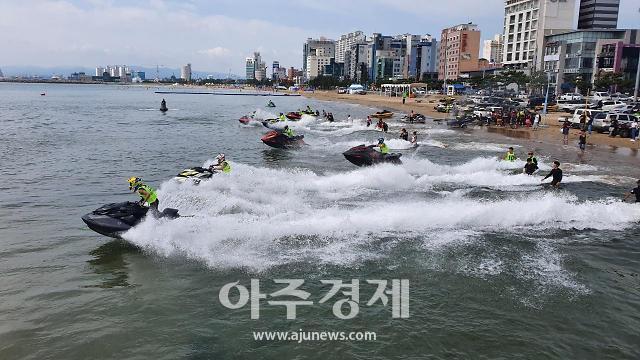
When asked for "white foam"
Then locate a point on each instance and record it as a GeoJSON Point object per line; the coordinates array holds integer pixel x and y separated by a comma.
{"type": "Point", "coordinates": [256, 218]}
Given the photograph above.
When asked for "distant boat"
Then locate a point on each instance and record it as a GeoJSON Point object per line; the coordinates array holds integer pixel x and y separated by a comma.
{"type": "Point", "coordinates": [43, 94]}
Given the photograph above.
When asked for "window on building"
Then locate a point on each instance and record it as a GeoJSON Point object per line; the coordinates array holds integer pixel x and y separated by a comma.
{"type": "Point", "coordinates": [508, 57]}
{"type": "Point", "coordinates": [517, 56]}
{"type": "Point", "coordinates": [587, 63]}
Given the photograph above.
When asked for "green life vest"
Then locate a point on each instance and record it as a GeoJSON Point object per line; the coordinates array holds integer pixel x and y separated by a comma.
{"type": "Point", "coordinates": [282, 118]}
{"type": "Point", "coordinates": [289, 133]}
{"type": "Point", "coordinates": [152, 194]}
{"type": "Point", "coordinates": [384, 148]}
{"type": "Point", "coordinates": [226, 168]}
{"type": "Point", "coordinates": [510, 157]}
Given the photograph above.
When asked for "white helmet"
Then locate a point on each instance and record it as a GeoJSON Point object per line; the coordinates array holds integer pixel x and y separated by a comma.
{"type": "Point", "coordinates": [220, 157]}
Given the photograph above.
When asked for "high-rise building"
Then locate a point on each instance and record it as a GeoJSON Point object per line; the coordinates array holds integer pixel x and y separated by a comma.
{"type": "Point", "coordinates": [99, 70]}
{"type": "Point", "coordinates": [598, 14]}
{"type": "Point", "coordinates": [426, 62]}
{"type": "Point", "coordinates": [459, 48]}
{"type": "Point", "coordinates": [275, 70]}
{"type": "Point", "coordinates": [492, 50]}
{"type": "Point", "coordinates": [583, 53]}
{"type": "Point", "coordinates": [250, 69]}
{"type": "Point", "coordinates": [185, 72]}
{"type": "Point", "coordinates": [318, 51]}
{"type": "Point", "coordinates": [526, 23]}
{"type": "Point", "coordinates": [344, 44]}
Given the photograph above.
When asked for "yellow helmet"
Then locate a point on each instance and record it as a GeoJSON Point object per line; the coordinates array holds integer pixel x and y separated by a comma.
{"type": "Point", "coordinates": [134, 182]}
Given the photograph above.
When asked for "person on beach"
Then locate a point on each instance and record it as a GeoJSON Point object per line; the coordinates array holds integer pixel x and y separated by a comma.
{"type": "Point", "coordinates": [582, 140]}
{"type": "Point", "coordinates": [529, 167]}
{"type": "Point", "coordinates": [404, 97]}
{"type": "Point", "coordinates": [590, 124]}
{"type": "Point", "coordinates": [565, 132]}
{"type": "Point", "coordinates": [536, 121]}
{"type": "Point", "coordinates": [635, 191]}
{"type": "Point", "coordinates": [634, 130]}
{"type": "Point", "coordinates": [404, 134]}
{"type": "Point", "coordinates": [613, 128]}
{"type": "Point", "coordinates": [556, 174]}
{"type": "Point", "coordinates": [414, 138]}
{"type": "Point", "coordinates": [510, 156]}
{"type": "Point", "coordinates": [384, 149]}
{"type": "Point", "coordinates": [147, 193]}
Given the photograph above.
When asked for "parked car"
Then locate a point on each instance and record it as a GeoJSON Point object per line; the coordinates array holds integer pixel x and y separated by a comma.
{"type": "Point", "coordinates": [342, 90]}
{"type": "Point", "coordinates": [611, 105]}
{"type": "Point", "coordinates": [602, 121]}
{"type": "Point", "coordinates": [571, 105]}
{"type": "Point", "coordinates": [600, 96]}
{"type": "Point", "coordinates": [575, 119]}
{"type": "Point", "coordinates": [571, 97]}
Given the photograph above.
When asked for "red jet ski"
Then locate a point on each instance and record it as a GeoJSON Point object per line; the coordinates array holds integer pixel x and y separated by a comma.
{"type": "Point", "coordinates": [293, 116]}
{"type": "Point", "coordinates": [279, 140]}
{"type": "Point", "coordinates": [245, 120]}
{"type": "Point", "coordinates": [363, 155]}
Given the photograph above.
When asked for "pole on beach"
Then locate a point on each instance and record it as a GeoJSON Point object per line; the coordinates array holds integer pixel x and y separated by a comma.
{"type": "Point", "coordinates": [546, 97]}
{"type": "Point", "coordinates": [635, 90]}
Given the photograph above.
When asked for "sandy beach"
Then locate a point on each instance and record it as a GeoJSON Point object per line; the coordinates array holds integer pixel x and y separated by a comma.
{"type": "Point", "coordinates": [548, 133]}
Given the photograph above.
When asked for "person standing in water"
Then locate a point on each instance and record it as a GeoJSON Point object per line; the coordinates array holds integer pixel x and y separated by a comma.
{"type": "Point", "coordinates": [582, 141]}
{"type": "Point", "coordinates": [368, 120]}
{"type": "Point", "coordinates": [404, 134]}
{"type": "Point", "coordinates": [510, 156]}
{"type": "Point", "coordinates": [530, 167]}
{"type": "Point", "coordinates": [565, 132]}
{"type": "Point", "coordinates": [635, 191]}
{"type": "Point", "coordinates": [414, 138]}
{"type": "Point", "coordinates": [556, 174]}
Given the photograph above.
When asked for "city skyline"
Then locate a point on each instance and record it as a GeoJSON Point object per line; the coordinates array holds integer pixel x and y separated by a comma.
{"type": "Point", "coordinates": [171, 33]}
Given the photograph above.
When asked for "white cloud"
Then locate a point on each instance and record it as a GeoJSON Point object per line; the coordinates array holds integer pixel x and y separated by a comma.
{"type": "Point", "coordinates": [215, 52]}
{"type": "Point", "coordinates": [61, 33]}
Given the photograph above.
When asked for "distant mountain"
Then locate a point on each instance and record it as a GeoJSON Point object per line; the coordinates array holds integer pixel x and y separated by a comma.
{"type": "Point", "coordinates": [150, 73]}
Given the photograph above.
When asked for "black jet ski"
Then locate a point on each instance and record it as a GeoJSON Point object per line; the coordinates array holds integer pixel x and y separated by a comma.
{"type": "Point", "coordinates": [460, 122]}
{"type": "Point", "coordinates": [115, 219]}
{"type": "Point", "coordinates": [163, 106]}
{"type": "Point", "coordinates": [279, 140]}
{"type": "Point", "coordinates": [366, 155]}
{"type": "Point", "coordinates": [195, 174]}
{"type": "Point", "coordinates": [417, 119]}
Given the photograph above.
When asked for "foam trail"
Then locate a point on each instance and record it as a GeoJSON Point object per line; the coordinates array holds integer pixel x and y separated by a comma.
{"type": "Point", "coordinates": [248, 219]}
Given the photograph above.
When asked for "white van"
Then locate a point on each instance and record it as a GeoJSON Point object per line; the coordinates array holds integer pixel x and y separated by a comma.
{"type": "Point", "coordinates": [575, 119]}
{"type": "Point", "coordinates": [600, 96]}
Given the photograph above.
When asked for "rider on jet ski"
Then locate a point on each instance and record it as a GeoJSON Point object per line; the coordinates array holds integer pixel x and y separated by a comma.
{"type": "Point", "coordinates": [223, 165]}
{"type": "Point", "coordinates": [147, 193]}
{"type": "Point", "coordinates": [384, 149]}
{"type": "Point", "coordinates": [282, 117]}
{"type": "Point", "coordinates": [288, 131]}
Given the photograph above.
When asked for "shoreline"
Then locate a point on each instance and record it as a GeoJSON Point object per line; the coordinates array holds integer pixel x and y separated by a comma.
{"type": "Point", "coordinates": [548, 133]}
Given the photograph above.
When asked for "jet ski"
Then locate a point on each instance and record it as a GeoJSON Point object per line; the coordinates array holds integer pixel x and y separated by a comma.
{"type": "Point", "coordinates": [271, 104]}
{"type": "Point", "coordinates": [279, 140]}
{"type": "Point", "coordinates": [309, 112]}
{"type": "Point", "coordinates": [384, 114]}
{"type": "Point", "coordinates": [363, 155]}
{"type": "Point", "coordinates": [417, 119]}
{"type": "Point", "coordinates": [115, 219]}
{"type": "Point", "coordinates": [274, 124]}
{"type": "Point", "coordinates": [163, 106]}
{"type": "Point", "coordinates": [293, 115]}
{"type": "Point", "coordinates": [245, 120]}
{"type": "Point", "coordinates": [195, 174]}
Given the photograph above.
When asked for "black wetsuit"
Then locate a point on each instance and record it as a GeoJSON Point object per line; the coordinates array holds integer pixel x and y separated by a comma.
{"type": "Point", "coordinates": [404, 136]}
{"type": "Point", "coordinates": [534, 161]}
{"type": "Point", "coordinates": [530, 168]}
{"type": "Point", "coordinates": [636, 192]}
{"type": "Point", "coordinates": [557, 176]}
{"type": "Point", "coordinates": [385, 127]}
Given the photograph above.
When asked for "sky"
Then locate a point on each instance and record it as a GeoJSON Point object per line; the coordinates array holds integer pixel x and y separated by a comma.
{"type": "Point", "coordinates": [217, 35]}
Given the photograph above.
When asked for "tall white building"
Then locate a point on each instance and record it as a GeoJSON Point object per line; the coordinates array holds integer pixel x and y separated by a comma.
{"type": "Point", "coordinates": [320, 52]}
{"type": "Point", "coordinates": [492, 49]}
{"type": "Point", "coordinates": [185, 72]}
{"type": "Point", "coordinates": [526, 22]}
{"type": "Point", "coordinates": [99, 70]}
{"type": "Point", "coordinates": [345, 42]}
